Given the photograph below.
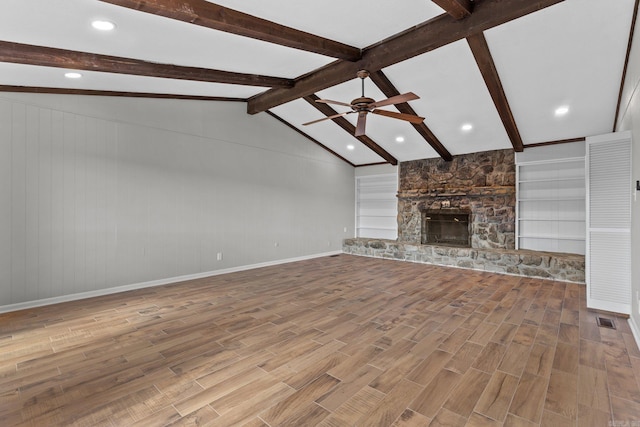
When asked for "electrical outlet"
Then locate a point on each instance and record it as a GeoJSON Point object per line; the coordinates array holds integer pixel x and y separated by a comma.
{"type": "Point", "coordinates": [219, 256]}
{"type": "Point", "coordinates": [345, 229]}
{"type": "Point", "coordinates": [276, 244]}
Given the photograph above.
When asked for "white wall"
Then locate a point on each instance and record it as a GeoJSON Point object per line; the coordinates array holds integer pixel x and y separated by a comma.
{"type": "Point", "coordinates": [629, 119]}
{"type": "Point", "coordinates": [377, 170]}
{"type": "Point", "coordinates": [97, 193]}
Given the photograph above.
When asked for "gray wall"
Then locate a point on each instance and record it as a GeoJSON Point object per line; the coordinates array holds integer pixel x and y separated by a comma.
{"type": "Point", "coordinates": [629, 119]}
{"type": "Point", "coordinates": [97, 193]}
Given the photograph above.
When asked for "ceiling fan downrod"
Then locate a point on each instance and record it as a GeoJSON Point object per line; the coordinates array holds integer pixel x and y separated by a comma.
{"type": "Point", "coordinates": [362, 74]}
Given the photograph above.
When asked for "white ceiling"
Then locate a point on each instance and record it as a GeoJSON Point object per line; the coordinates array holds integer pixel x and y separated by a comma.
{"type": "Point", "coordinates": [569, 54]}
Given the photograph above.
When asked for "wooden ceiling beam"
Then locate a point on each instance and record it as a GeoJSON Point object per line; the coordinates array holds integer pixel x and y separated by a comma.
{"type": "Point", "coordinates": [18, 53]}
{"type": "Point", "coordinates": [210, 15]}
{"type": "Point", "coordinates": [362, 165]}
{"type": "Point", "coordinates": [458, 9]}
{"type": "Point", "coordinates": [351, 129]}
{"type": "Point", "coordinates": [91, 92]}
{"type": "Point", "coordinates": [420, 39]}
{"type": "Point", "coordinates": [385, 85]}
{"type": "Point", "coordinates": [482, 54]}
{"type": "Point", "coordinates": [560, 141]}
{"type": "Point", "coordinates": [626, 64]}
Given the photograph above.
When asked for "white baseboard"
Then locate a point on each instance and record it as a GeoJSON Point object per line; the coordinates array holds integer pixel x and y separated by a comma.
{"type": "Point", "coordinates": [634, 330]}
{"type": "Point", "coordinates": [160, 282]}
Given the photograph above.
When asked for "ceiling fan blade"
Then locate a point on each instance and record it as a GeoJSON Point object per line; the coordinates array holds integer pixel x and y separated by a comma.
{"type": "Point", "coordinates": [329, 101]}
{"type": "Point", "coordinates": [407, 117]}
{"type": "Point", "coordinates": [327, 118]}
{"type": "Point", "coordinates": [398, 99]}
{"type": "Point", "coordinates": [362, 122]}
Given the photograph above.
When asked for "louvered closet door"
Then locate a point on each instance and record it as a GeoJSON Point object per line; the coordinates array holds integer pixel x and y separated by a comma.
{"type": "Point", "coordinates": [609, 189]}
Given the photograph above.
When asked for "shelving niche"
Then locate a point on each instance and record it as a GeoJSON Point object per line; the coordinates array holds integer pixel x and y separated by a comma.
{"type": "Point", "coordinates": [377, 206]}
{"type": "Point", "coordinates": [550, 209]}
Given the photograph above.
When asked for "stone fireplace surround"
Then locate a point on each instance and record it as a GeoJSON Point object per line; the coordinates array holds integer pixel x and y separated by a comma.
{"type": "Point", "coordinates": [480, 183]}
{"type": "Point", "coordinates": [484, 184]}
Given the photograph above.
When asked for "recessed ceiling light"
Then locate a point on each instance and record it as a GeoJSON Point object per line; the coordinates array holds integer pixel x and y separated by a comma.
{"type": "Point", "coordinates": [399, 139]}
{"type": "Point", "coordinates": [561, 111]}
{"type": "Point", "coordinates": [72, 75]}
{"type": "Point", "coordinates": [103, 25]}
{"type": "Point", "coordinates": [351, 147]}
{"type": "Point", "coordinates": [466, 127]}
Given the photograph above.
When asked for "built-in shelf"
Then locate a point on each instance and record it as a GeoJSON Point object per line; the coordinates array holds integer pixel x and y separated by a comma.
{"type": "Point", "coordinates": [377, 206]}
{"type": "Point", "coordinates": [553, 219]}
{"type": "Point", "coordinates": [379, 228]}
{"type": "Point", "coordinates": [364, 199]}
{"type": "Point", "coordinates": [550, 205]}
{"type": "Point", "coordinates": [525, 181]}
{"type": "Point", "coordinates": [552, 237]}
{"type": "Point", "coordinates": [550, 199]}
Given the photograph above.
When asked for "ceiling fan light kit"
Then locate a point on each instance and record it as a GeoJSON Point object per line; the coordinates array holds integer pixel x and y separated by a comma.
{"type": "Point", "coordinates": [364, 105]}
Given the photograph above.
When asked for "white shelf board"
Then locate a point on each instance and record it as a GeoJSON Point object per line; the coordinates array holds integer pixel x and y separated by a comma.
{"type": "Point", "coordinates": [540, 236]}
{"type": "Point", "coordinates": [552, 219]}
{"type": "Point", "coordinates": [551, 199]}
{"type": "Point", "coordinates": [577, 178]}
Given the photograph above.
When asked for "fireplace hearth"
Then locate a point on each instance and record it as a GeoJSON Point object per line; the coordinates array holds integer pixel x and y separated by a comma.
{"type": "Point", "coordinates": [448, 227]}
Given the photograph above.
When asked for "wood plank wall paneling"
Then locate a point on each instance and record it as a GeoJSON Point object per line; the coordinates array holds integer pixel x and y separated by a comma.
{"type": "Point", "coordinates": [102, 193]}
{"type": "Point", "coordinates": [5, 199]}
{"type": "Point", "coordinates": [18, 249]}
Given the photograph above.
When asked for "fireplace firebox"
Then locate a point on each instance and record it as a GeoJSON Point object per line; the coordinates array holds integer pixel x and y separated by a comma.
{"type": "Point", "coordinates": [447, 227]}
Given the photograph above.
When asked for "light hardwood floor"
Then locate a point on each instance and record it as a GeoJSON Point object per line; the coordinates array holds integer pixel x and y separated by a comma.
{"type": "Point", "coordinates": [335, 341]}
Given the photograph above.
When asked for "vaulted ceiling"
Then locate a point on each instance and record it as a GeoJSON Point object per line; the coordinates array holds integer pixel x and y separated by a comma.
{"type": "Point", "coordinates": [501, 67]}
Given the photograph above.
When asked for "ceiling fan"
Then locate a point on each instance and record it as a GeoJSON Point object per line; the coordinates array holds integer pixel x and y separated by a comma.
{"type": "Point", "coordinates": [364, 105]}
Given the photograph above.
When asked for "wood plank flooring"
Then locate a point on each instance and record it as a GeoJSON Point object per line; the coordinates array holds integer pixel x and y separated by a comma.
{"type": "Point", "coordinates": [335, 341]}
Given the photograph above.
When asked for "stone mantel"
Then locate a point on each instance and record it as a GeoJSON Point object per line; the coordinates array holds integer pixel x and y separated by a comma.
{"type": "Point", "coordinates": [456, 192]}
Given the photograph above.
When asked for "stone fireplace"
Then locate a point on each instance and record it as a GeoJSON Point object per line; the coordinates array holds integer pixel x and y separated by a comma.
{"type": "Point", "coordinates": [481, 185]}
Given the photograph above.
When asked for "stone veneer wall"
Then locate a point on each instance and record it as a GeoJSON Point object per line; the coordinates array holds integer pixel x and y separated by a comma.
{"type": "Point", "coordinates": [556, 266]}
{"type": "Point", "coordinates": [483, 183]}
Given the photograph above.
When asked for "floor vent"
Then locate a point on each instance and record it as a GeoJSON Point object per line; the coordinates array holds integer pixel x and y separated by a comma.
{"type": "Point", "coordinates": [333, 256]}
{"type": "Point", "coordinates": [603, 322]}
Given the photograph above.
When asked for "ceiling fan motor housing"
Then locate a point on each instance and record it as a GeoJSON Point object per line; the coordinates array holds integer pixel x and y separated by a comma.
{"type": "Point", "coordinates": [362, 103]}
